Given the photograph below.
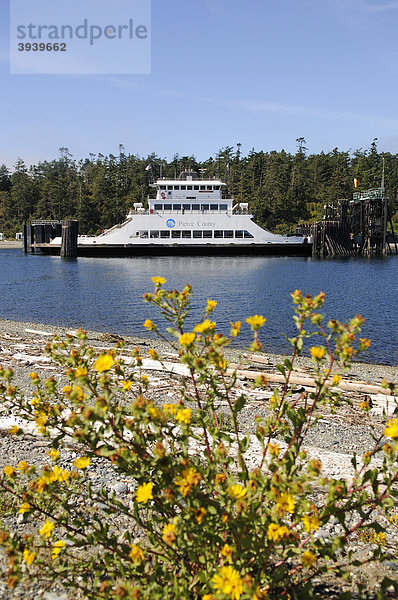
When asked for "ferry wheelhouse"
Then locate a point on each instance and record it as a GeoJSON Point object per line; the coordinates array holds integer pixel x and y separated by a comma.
{"type": "Point", "coordinates": [190, 215]}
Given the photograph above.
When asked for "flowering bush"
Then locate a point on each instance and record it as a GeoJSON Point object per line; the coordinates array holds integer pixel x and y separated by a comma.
{"type": "Point", "coordinates": [203, 522]}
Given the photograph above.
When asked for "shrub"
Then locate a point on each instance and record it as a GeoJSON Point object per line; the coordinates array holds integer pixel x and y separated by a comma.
{"type": "Point", "coordinates": [203, 522]}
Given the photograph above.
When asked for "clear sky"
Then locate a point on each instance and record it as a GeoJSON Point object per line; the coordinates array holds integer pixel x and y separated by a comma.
{"type": "Point", "coordinates": [258, 72]}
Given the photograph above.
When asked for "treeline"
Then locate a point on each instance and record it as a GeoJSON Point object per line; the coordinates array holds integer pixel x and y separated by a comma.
{"type": "Point", "coordinates": [281, 188]}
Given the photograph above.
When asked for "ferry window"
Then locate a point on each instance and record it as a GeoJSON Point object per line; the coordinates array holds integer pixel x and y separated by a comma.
{"type": "Point", "coordinates": [228, 234]}
{"type": "Point", "coordinates": [210, 187]}
{"type": "Point", "coordinates": [195, 187]}
{"type": "Point", "coordinates": [183, 187]}
{"type": "Point", "coordinates": [176, 187]}
{"type": "Point", "coordinates": [216, 187]}
{"type": "Point", "coordinates": [186, 206]}
{"type": "Point", "coordinates": [207, 234]}
{"type": "Point", "coordinates": [189, 187]}
{"type": "Point", "coordinates": [165, 234]}
{"type": "Point", "coordinates": [186, 234]}
{"type": "Point", "coordinates": [213, 206]}
{"type": "Point", "coordinates": [202, 187]}
{"type": "Point", "coordinates": [154, 234]}
{"type": "Point", "coordinates": [204, 207]}
{"type": "Point", "coordinates": [176, 234]}
{"type": "Point", "coordinates": [169, 187]}
{"type": "Point", "coordinates": [223, 206]}
{"type": "Point", "coordinates": [167, 207]}
{"type": "Point", "coordinates": [191, 197]}
{"type": "Point", "coordinates": [248, 235]}
{"type": "Point", "coordinates": [143, 234]}
{"type": "Point", "coordinates": [218, 233]}
{"type": "Point", "coordinates": [239, 234]}
{"type": "Point", "coordinates": [176, 206]}
{"type": "Point", "coordinates": [158, 206]}
{"type": "Point", "coordinates": [195, 206]}
{"type": "Point", "coordinates": [162, 187]}
{"type": "Point", "coordinates": [197, 234]}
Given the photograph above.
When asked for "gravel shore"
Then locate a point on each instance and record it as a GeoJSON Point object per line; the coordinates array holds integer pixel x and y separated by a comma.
{"type": "Point", "coordinates": [334, 439]}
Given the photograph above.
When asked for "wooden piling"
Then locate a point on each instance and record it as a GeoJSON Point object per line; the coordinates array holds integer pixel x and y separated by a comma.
{"type": "Point", "coordinates": [69, 239]}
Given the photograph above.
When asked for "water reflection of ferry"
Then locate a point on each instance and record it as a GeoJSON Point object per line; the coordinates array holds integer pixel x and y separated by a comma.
{"type": "Point", "coordinates": [189, 216]}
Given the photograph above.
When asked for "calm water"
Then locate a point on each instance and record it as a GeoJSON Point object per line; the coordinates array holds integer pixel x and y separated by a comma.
{"type": "Point", "coordinates": [105, 294]}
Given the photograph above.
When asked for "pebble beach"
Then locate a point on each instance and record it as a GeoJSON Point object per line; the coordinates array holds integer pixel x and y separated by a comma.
{"type": "Point", "coordinates": [334, 439]}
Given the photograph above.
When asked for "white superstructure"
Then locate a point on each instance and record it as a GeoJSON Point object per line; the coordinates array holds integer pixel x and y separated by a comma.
{"type": "Point", "coordinates": [189, 211]}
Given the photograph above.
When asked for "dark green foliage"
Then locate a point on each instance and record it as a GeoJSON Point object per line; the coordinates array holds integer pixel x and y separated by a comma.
{"type": "Point", "coordinates": [282, 189]}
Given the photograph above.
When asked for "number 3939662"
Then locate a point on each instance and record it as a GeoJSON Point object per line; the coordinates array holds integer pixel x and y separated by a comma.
{"type": "Point", "coordinates": [41, 47]}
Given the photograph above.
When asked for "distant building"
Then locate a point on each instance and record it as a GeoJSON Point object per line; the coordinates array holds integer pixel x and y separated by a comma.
{"type": "Point", "coordinates": [18, 236]}
{"type": "Point", "coordinates": [1, 237]}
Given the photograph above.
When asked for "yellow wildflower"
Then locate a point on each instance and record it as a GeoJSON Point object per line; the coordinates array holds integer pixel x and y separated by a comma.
{"type": "Point", "coordinates": [81, 372]}
{"type": "Point", "coordinates": [364, 405]}
{"type": "Point", "coordinates": [104, 363]}
{"type": "Point", "coordinates": [285, 503]}
{"type": "Point", "coordinates": [24, 508]}
{"type": "Point", "coordinates": [276, 532]}
{"type": "Point", "coordinates": [170, 408]}
{"type": "Point", "coordinates": [34, 376]}
{"type": "Point", "coordinates": [364, 343]}
{"type": "Point", "coordinates": [47, 528]}
{"type": "Point", "coordinates": [220, 478]}
{"type": "Point", "coordinates": [229, 582]}
{"type": "Point", "coordinates": [336, 380]}
{"type": "Point", "coordinates": [144, 493]}
{"type": "Point", "coordinates": [392, 429]}
{"type": "Point", "coordinates": [186, 339]}
{"type": "Point", "coordinates": [200, 514]}
{"type": "Point", "coordinates": [208, 597]}
{"type": "Point", "coordinates": [308, 558]}
{"type": "Point", "coordinates": [82, 462]}
{"type": "Point", "coordinates": [57, 547]}
{"type": "Point", "coordinates": [184, 415]}
{"type": "Point", "coordinates": [67, 390]}
{"type": "Point", "coordinates": [159, 280]}
{"type": "Point", "coordinates": [311, 523]}
{"type": "Point", "coordinates": [237, 491]}
{"type": "Point", "coordinates": [235, 328]}
{"type": "Point", "coordinates": [148, 324]}
{"type": "Point", "coordinates": [205, 326]}
{"type": "Point", "coordinates": [41, 420]}
{"type": "Point", "coordinates": [28, 556]}
{"type": "Point", "coordinates": [317, 352]}
{"type": "Point", "coordinates": [13, 430]}
{"type": "Point", "coordinates": [54, 453]}
{"type": "Point", "coordinates": [9, 471]}
{"type": "Point", "coordinates": [169, 534]}
{"type": "Point", "coordinates": [64, 476]}
{"type": "Point", "coordinates": [136, 554]}
{"type": "Point", "coordinates": [153, 354]}
{"type": "Point", "coordinates": [23, 466]}
{"type": "Point", "coordinates": [227, 551]}
{"type": "Point", "coordinates": [211, 305]}
{"type": "Point", "coordinates": [126, 385]}
{"type": "Point", "coordinates": [274, 449]}
{"type": "Point", "coordinates": [144, 379]}
{"type": "Point", "coordinates": [154, 412]}
{"type": "Point", "coordinates": [189, 478]}
{"type": "Point", "coordinates": [56, 474]}
{"type": "Point", "coordinates": [255, 322]}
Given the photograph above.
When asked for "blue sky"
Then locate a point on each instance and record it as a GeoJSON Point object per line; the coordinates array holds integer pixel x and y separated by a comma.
{"type": "Point", "coordinates": [258, 72]}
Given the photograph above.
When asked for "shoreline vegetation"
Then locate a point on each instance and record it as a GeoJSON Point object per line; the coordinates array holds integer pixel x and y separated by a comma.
{"type": "Point", "coordinates": [282, 189]}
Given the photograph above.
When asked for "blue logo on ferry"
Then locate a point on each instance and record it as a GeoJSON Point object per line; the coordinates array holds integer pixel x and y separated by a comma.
{"type": "Point", "coordinates": [170, 223]}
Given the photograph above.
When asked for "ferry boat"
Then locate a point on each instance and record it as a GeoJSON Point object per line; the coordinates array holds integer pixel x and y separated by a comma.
{"type": "Point", "coordinates": [189, 215]}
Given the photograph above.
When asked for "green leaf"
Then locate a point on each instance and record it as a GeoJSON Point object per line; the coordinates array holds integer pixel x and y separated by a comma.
{"type": "Point", "coordinates": [240, 403]}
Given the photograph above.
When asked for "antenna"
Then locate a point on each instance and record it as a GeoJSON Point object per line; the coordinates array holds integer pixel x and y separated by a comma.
{"type": "Point", "coordinates": [382, 176]}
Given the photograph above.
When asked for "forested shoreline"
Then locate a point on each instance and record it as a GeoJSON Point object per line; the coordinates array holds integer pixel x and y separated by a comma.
{"type": "Point", "coordinates": [282, 189]}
